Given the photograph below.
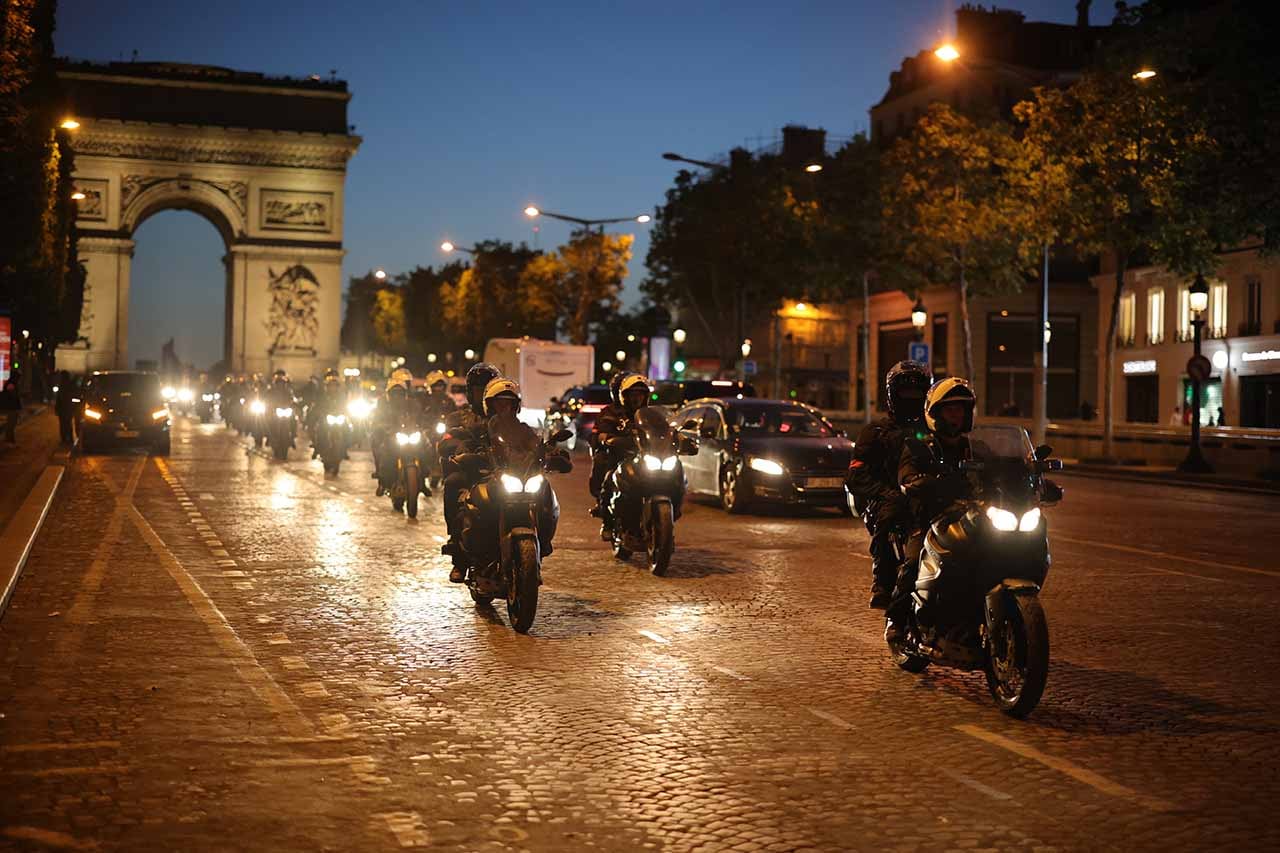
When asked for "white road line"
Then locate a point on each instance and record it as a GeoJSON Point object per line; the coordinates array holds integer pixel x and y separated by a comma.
{"type": "Point", "coordinates": [736, 675]}
{"type": "Point", "coordinates": [91, 770]}
{"type": "Point", "coordinates": [59, 747]}
{"type": "Point", "coordinates": [1166, 556]}
{"type": "Point", "coordinates": [657, 638]}
{"type": "Point", "coordinates": [1068, 768]}
{"type": "Point", "coordinates": [313, 689]}
{"type": "Point", "coordinates": [293, 662]}
{"type": "Point", "coordinates": [977, 786]}
{"type": "Point", "coordinates": [279, 640]}
{"type": "Point", "coordinates": [831, 718]}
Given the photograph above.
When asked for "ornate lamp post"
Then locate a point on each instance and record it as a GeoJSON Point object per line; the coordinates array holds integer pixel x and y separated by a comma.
{"type": "Point", "coordinates": [919, 316]}
{"type": "Point", "coordinates": [1198, 369]}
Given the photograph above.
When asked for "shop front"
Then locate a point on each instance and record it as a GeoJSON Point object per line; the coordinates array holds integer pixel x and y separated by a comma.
{"type": "Point", "coordinates": [1257, 366]}
{"type": "Point", "coordinates": [1141, 390]}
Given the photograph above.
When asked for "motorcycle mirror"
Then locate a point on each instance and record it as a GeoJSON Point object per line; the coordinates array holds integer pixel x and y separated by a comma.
{"type": "Point", "coordinates": [562, 435]}
{"type": "Point", "coordinates": [1044, 451]}
{"type": "Point", "coordinates": [1049, 465]}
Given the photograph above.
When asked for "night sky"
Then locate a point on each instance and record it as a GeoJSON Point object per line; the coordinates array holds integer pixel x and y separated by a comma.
{"type": "Point", "coordinates": [470, 111]}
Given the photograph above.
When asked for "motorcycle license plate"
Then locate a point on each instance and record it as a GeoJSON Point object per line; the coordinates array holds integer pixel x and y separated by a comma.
{"type": "Point", "coordinates": [823, 482]}
{"type": "Point", "coordinates": [127, 433]}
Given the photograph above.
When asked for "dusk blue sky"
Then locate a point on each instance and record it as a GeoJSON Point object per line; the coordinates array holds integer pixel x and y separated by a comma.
{"type": "Point", "coordinates": [471, 110]}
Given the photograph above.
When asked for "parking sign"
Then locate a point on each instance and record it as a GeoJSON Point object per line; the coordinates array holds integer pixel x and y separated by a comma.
{"type": "Point", "coordinates": [918, 351]}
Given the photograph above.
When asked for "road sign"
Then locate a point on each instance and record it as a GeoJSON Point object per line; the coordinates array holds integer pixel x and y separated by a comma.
{"type": "Point", "coordinates": [749, 367]}
{"type": "Point", "coordinates": [1199, 368]}
{"type": "Point", "coordinates": [918, 351]}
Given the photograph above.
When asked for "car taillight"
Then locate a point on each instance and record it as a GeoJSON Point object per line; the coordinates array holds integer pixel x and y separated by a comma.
{"type": "Point", "coordinates": [591, 409]}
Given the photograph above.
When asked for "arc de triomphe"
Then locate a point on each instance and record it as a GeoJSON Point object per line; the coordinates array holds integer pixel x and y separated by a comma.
{"type": "Point", "coordinates": [262, 158]}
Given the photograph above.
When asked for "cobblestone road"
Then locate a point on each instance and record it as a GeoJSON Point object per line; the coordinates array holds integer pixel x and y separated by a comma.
{"type": "Point", "coordinates": [222, 652]}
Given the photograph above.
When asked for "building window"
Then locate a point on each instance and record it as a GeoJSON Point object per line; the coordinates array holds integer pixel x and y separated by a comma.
{"type": "Point", "coordinates": [1127, 328]}
{"type": "Point", "coordinates": [1252, 307]}
{"type": "Point", "coordinates": [1184, 315]}
{"type": "Point", "coordinates": [1155, 315]}
{"type": "Point", "coordinates": [1218, 310]}
{"type": "Point", "coordinates": [1011, 346]}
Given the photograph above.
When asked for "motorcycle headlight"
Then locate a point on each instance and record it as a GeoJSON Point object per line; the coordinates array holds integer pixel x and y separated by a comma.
{"type": "Point", "coordinates": [185, 395]}
{"type": "Point", "coordinates": [168, 392]}
{"type": "Point", "coordinates": [415, 437]}
{"type": "Point", "coordinates": [358, 408]}
{"type": "Point", "coordinates": [512, 485]}
{"type": "Point", "coordinates": [1002, 519]}
{"type": "Point", "coordinates": [208, 398]}
{"type": "Point", "coordinates": [1030, 520]}
{"type": "Point", "coordinates": [285, 412]}
{"type": "Point", "coordinates": [335, 420]}
{"type": "Point", "coordinates": [402, 438]}
{"type": "Point", "coordinates": [92, 414]}
{"type": "Point", "coordinates": [533, 484]}
{"type": "Point", "coordinates": [766, 466]}
{"type": "Point", "coordinates": [258, 407]}
{"type": "Point", "coordinates": [440, 428]}
{"type": "Point", "coordinates": [652, 463]}
{"type": "Point", "coordinates": [669, 464]}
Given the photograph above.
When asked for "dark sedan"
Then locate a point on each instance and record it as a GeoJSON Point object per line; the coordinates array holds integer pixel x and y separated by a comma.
{"type": "Point", "coordinates": [773, 451]}
{"type": "Point", "coordinates": [576, 411]}
{"type": "Point", "coordinates": [124, 407]}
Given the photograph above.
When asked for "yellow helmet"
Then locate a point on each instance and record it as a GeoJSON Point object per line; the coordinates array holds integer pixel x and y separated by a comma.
{"type": "Point", "coordinates": [633, 381]}
{"type": "Point", "coordinates": [953, 389]}
{"type": "Point", "coordinates": [399, 376]}
{"type": "Point", "coordinates": [436, 376]}
{"type": "Point", "coordinates": [500, 387]}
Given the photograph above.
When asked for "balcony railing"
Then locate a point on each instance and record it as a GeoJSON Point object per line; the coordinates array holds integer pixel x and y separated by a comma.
{"type": "Point", "coordinates": [1156, 339]}
{"type": "Point", "coordinates": [1183, 335]}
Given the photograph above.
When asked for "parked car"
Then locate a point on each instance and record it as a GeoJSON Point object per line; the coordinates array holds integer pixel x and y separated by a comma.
{"type": "Point", "coordinates": [676, 394]}
{"type": "Point", "coordinates": [576, 410]}
{"type": "Point", "coordinates": [764, 451]}
{"type": "Point", "coordinates": [124, 407]}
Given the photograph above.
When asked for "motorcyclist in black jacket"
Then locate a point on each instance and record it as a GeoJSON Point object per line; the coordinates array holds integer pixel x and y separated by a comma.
{"type": "Point", "coordinates": [930, 476]}
{"type": "Point", "coordinates": [608, 422]}
{"type": "Point", "coordinates": [633, 393]}
{"type": "Point", "coordinates": [873, 471]}
{"type": "Point", "coordinates": [465, 431]}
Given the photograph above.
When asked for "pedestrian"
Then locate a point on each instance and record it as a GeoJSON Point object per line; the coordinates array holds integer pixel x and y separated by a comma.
{"type": "Point", "coordinates": [1086, 411]}
{"type": "Point", "coordinates": [65, 407]}
{"type": "Point", "coordinates": [1186, 416]}
{"type": "Point", "coordinates": [1222, 420]}
{"type": "Point", "coordinates": [1175, 419]}
{"type": "Point", "coordinates": [10, 410]}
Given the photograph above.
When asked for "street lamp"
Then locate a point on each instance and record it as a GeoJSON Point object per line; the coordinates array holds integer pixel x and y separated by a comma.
{"type": "Point", "coordinates": [431, 358]}
{"type": "Point", "coordinates": [947, 52]}
{"type": "Point", "coordinates": [746, 348]}
{"type": "Point", "coordinates": [77, 196]}
{"type": "Point", "coordinates": [606, 366]}
{"type": "Point", "coordinates": [620, 355]}
{"type": "Point", "coordinates": [533, 212]}
{"type": "Point", "coordinates": [447, 247]}
{"type": "Point", "coordinates": [813, 167]}
{"type": "Point", "coordinates": [679, 336]}
{"type": "Point", "coordinates": [1144, 74]}
{"type": "Point", "coordinates": [69, 123]}
{"type": "Point", "coordinates": [1198, 368]}
{"type": "Point", "coordinates": [469, 354]}
{"type": "Point", "coordinates": [919, 316]}
{"type": "Point", "coordinates": [379, 274]}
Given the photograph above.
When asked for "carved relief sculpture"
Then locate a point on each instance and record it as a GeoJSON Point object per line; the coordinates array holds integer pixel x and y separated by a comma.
{"type": "Point", "coordinates": [292, 323]}
{"type": "Point", "coordinates": [284, 210]}
{"type": "Point", "coordinates": [93, 207]}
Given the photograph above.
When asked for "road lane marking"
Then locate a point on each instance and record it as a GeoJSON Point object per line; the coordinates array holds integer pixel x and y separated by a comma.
{"type": "Point", "coordinates": [735, 675]}
{"type": "Point", "coordinates": [1068, 768]}
{"type": "Point", "coordinates": [831, 718]}
{"type": "Point", "coordinates": [293, 662]}
{"type": "Point", "coordinates": [1167, 556]}
{"type": "Point", "coordinates": [58, 747]}
{"type": "Point", "coordinates": [279, 640]}
{"type": "Point", "coordinates": [91, 770]}
{"type": "Point", "coordinates": [50, 838]}
{"type": "Point", "coordinates": [309, 762]}
{"type": "Point", "coordinates": [657, 638]}
{"type": "Point", "coordinates": [976, 785]}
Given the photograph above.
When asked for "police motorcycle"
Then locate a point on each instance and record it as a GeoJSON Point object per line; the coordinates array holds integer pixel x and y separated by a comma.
{"type": "Point", "coordinates": [255, 419]}
{"type": "Point", "coordinates": [646, 489]}
{"type": "Point", "coordinates": [976, 602]}
{"type": "Point", "coordinates": [410, 451]}
{"type": "Point", "coordinates": [435, 426]}
{"type": "Point", "coordinates": [331, 437]}
{"type": "Point", "coordinates": [360, 409]}
{"type": "Point", "coordinates": [282, 423]}
{"type": "Point", "coordinates": [207, 407]}
{"type": "Point", "coordinates": [507, 520]}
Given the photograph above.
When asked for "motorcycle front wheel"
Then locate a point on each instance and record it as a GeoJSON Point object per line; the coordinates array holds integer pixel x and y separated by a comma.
{"type": "Point", "coordinates": [1017, 666]}
{"type": "Point", "coordinates": [522, 595]}
{"type": "Point", "coordinates": [412, 488]}
{"type": "Point", "coordinates": [661, 538]}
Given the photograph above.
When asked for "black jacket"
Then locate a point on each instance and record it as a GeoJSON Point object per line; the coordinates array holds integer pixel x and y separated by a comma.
{"type": "Point", "coordinates": [929, 475]}
{"type": "Point", "coordinates": [873, 466]}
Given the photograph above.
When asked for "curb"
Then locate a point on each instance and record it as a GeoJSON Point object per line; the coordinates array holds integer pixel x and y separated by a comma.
{"type": "Point", "coordinates": [1172, 479]}
{"type": "Point", "coordinates": [18, 538]}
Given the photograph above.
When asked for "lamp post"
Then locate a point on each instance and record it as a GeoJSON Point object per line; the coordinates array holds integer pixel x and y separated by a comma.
{"type": "Point", "coordinates": [919, 317]}
{"type": "Point", "coordinates": [534, 212]}
{"type": "Point", "coordinates": [448, 247]}
{"type": "Point", "coordinates": [746, 351]}
{"type": "Point", "coordinates": [1198, 369]}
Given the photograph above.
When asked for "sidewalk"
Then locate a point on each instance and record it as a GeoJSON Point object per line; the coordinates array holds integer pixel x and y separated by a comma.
{"type": "Point", "coordinates": [20, 467]}
{"type": "Point", "coordinates": [1170, 476]}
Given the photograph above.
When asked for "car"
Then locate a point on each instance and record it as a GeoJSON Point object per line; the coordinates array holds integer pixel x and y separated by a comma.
{"type": "Point", "coordinates": [764, 451]}
{"type": "Point", "coordinates": [576, 410]}
{"type": "Point", "coordinates": [122, 407]}
{"type": "Point", "coordinates": [676, 394]}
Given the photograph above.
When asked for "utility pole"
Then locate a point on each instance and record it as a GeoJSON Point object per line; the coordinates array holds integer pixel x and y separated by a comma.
{"type": "Point", "coordinates": [866, 347]}
{"type": "Point", "coordinates": [1040, 390]}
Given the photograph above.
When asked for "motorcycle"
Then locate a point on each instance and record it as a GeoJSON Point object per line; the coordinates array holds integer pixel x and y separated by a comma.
{"type": "Point", "coordinates": [359, 410]}
{"type": "Point", "coordinates": [976, 600]}
{"type": "Point", "coordinates": [434, 472]}
{"type": "Point", "coordinates": [508, 518]}
{"type": "Point", "coordinates": [281, 431]}
{"type": "Point", "coordinates": [410, 451]}
{"type": "Point", "coordinates": [256, 423]}
{"type": "Point", "coordinates": [207, 408]}
{"type": "Point", "coordinates": [646, 489]}
{"type": "Point", "coordinates": [332, 442]}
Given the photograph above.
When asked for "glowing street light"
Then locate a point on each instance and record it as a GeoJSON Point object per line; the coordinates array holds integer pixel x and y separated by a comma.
{"type": "Point", "coordinates": [620, 355]}
{"type": "Point", "coordinates": [801, 307]}
{"type": "Point", "coordinates": [947, 52]}
{"type": "Point", "coordinates": [631, 339]}
{"type": "Point", "coordinates": [919, 315]}
{"type": "Point", "coordinates": [679, 335]}
{"type": "Point", "coordinates": [431, 357]}
{"type": "Point", "coordinates": [448, 246]}
{"type": "Point", "coordinates": [469, 354]}
{"type": "Point", "coordinates": [1144, 74]}
{"type": "Point", "coordinates": [746, 348]}
{"type": "Point", "coordinates": [606, 366]}
{"type": "Point", "coordinates": [813, 167]}
{"type": "Point", "coordinates": [69, 123]}
{"type": "Point", "coordinates": [77, 196]}
{"type": "Point", "coordinates": [533, 212]}
{"type": "Point", "coordinates": [379, 274]}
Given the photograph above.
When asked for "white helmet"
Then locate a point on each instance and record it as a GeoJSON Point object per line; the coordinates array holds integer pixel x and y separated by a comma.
{"type": "Point", "coordinates": [500, 387]}
{"type": "Point", "coordinates": [400, 376]}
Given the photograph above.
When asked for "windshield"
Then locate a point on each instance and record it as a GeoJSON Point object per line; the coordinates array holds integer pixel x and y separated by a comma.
{"type": "Point", "coordinates": [1001, 442]}
{"type": "Point", "coordinates": [654, 425]}
{"type": "Point", "coordinates": [120, 383]}
{"type": "Point", "coordinates": [778, 420]}
{"type": "Point", "coordinates": [513, 442]}
{"type": "Point", "coordinates": [596, 394]}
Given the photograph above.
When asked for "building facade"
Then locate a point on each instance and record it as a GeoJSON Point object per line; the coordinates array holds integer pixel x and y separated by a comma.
{"type": "Point", "coordinates": [1240, 337]}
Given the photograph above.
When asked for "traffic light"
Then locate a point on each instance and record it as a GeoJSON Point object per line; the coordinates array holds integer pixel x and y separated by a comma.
{"type": "Point", "coordinates": [678, 365]}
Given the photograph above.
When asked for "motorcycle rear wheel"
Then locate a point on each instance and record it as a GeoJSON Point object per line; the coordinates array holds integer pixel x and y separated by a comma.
{"type": "Point", "coordinates": [522, 596]}
{"type": "Point", "coordinates": [661, 539]}
{"type": "Point", "coordinates": [412, 488]}
{"type": "Point", "coordinates": [1018, 660]}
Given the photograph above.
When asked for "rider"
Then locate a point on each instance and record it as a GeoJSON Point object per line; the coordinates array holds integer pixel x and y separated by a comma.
{"type": "Point", "coordinates": [603, 460]}
{"type": "Point", "coordinates": [931, 478]}
{"type": "Point", "coordinates": [873, 471]}
{"type": "Point", "coordinates": [633, 394]}
{"type": "Point", "coordinates": [390, 414]}
{"type": "Point", "coordinates": [328, 401]}
{"type": "Point", "coordinates": [438, 405]}
{"type": "Point", "coordinates": [280, 396]}
{"type": "Point", "coordinates": [465, 430]}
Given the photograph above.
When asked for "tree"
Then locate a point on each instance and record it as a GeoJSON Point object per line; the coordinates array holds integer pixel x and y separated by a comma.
{"type": "Point", "coordinates": [951, 212]}
{"type": "Point", "coordinates": [487, 299]}
{"type": "Point", "coordinates": [387, 319]}
{"type": "Point", "coordinates": [358, 334]}
{"type": "Point", "coordinates": [425, 328]}
{"type": "Point", "coordinates": [579, 282]}
{"type": "Point", "coordinates": [1122, 146]}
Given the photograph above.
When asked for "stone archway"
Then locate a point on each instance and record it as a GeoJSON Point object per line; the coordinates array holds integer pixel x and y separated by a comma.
{"type": "Point", "coordinates": [263, 159]}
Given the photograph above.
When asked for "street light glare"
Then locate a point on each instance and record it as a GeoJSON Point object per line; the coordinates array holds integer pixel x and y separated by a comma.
{"type": "Point", "coordinates": [531, 211]}
{"type": "Point", "coordinates": [679, 335]}
{"type": "Point", "coordinates": [801, 307]}
{"type": "Point", "coordinates": [380, 274]}
{"type": "Point", "coordinates": [620, 355]}
{"type": "Point", "coordinates": [446, 246]}
{"type": "Point", "coordinates": [947, 53]}
{"type": "Point", "coordinates": [77, 196]}
{"type": "Point", "coordinates": [1144, 74]}
{"type": "Point", "coordinates": [813, 167]}
{"type": "Point", "coordinates": [69, 124]}
{"type": "Point", "coordinates": [643, 218]}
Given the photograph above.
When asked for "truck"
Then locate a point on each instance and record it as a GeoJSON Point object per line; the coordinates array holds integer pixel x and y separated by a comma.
{"type": "Point", "coordinates": [544, 369]}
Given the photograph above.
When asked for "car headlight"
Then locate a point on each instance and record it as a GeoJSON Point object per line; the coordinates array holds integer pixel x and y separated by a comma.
{"type": "Point", "coordinates": [92, 414]}
{"type": "Point", "coordinates": [159, 414]}
{"type": "Point", "coordinates": [168, 392]}
{"type": "Point", "coordinates": [1002, 519]}
{"type": "Point", "coordinates": [440, 428]}
{"type": "Point", "coordinates": [285, 412]}
{"type": "Point", "coordinates": [185, 395]}
{"type": "Point", "coordinates": [207, 398]}
{"type": "Point", "coordinates": [1030, 520]}
{"type": "Point", "coordinates": [512, 485]}
{"type": "Point", "coordinates": [258, 407]}
{"type": "Point", "coordinates": [766, 466]}
{"type": "Point", "coordinates": [335, 420]}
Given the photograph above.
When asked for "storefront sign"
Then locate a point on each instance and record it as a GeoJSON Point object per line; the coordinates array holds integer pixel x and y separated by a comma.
{"type": "Point", "coordinates": [1265, 355]}
{"type": "Point", "coordinates": [6, 347]}
{"type": "Point", "coordinates": [1132, 368]}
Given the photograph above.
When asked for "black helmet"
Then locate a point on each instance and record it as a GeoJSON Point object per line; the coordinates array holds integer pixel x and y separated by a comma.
{"type": "Point", "coordinates": [478, 377]}
{"type": "Point", "coordinates": [950, 390]}
{"type": "Point", "coordinates": [615, 386]}
{"type": "Point", "coordinates": [905, 386]}
{"type": "Point", "coordinates": [279, 376]}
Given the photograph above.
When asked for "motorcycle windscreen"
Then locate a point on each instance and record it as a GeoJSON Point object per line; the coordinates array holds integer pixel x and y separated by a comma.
{"type": "Point", "coordinates": [514, 444]}
{"type": "Point", "coordinates": [654, 426]}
